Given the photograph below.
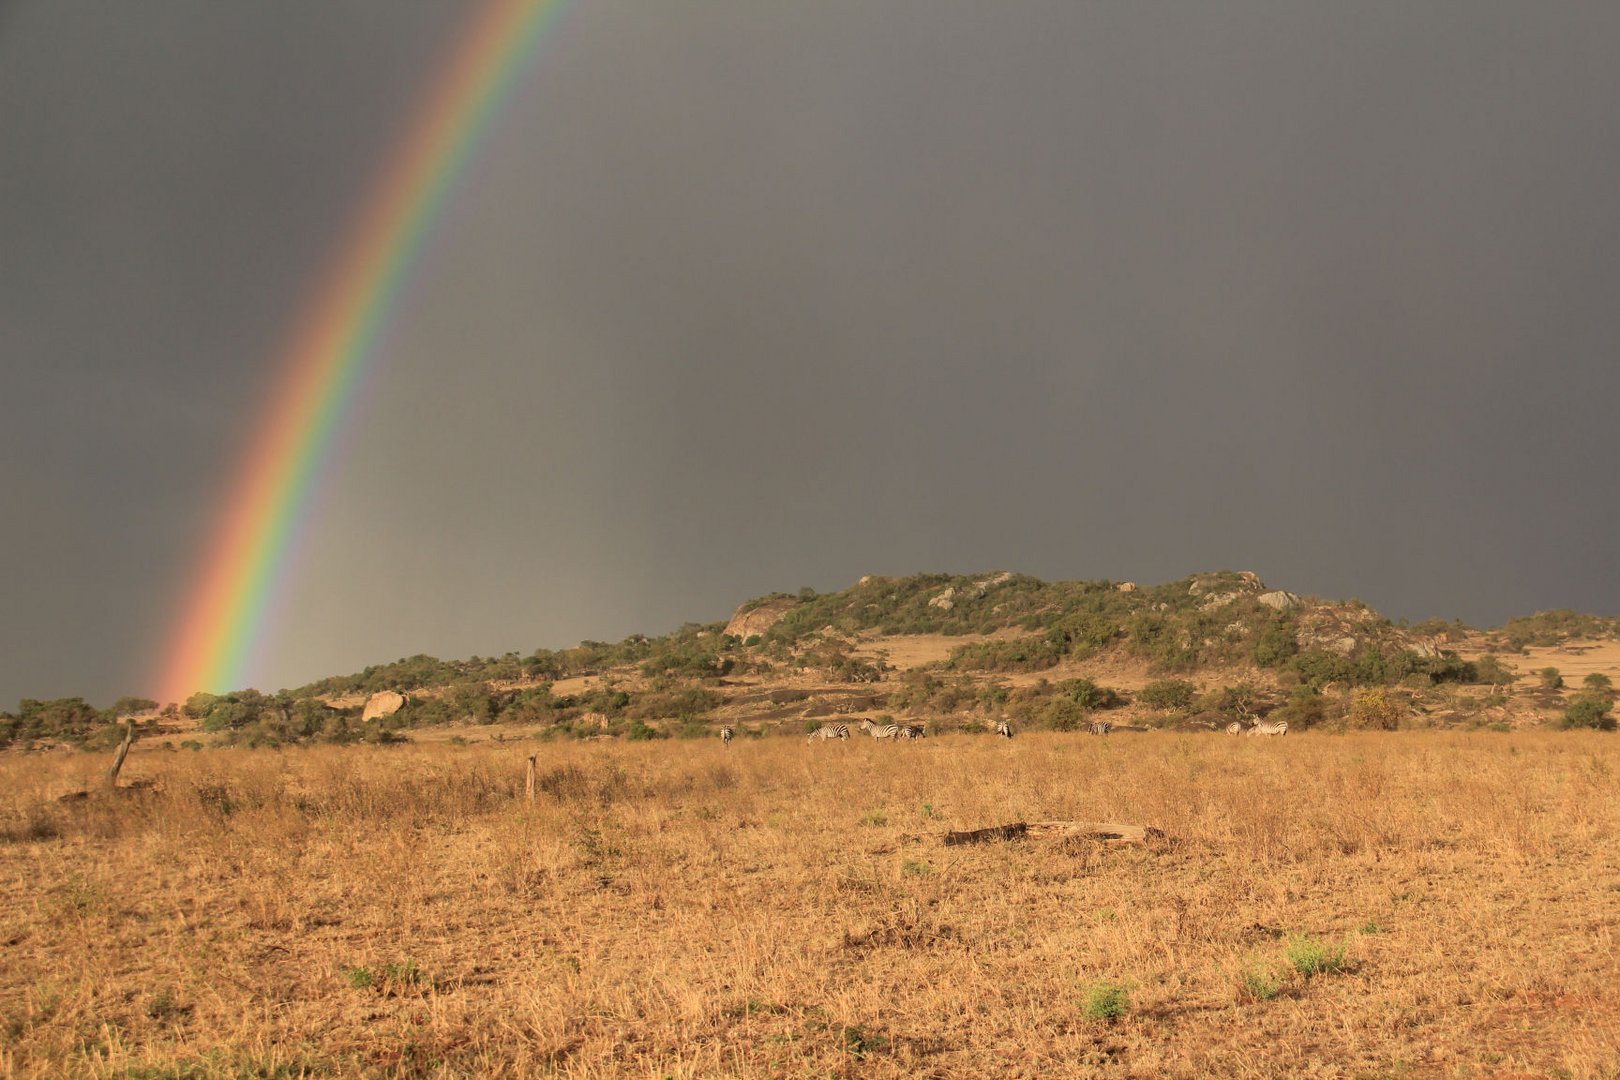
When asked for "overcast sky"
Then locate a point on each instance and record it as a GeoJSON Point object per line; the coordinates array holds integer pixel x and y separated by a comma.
{"type": "Point", "coordinates": [740, 297]}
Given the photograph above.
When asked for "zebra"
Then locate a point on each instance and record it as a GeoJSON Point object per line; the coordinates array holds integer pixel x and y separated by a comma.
{"type": "Point", "coordinates": [830, 731]}
{"type": "Point", "coordinates": [1003, 728]}
{"type": "Point", "coordinates": [1269, 727]}
{"type": "Point", "coordinates": [726, 735]}
{"type": "Point", "coordinates": [1234, 728]}
{"type": "Point", "coordinates": [913, 731]}
{"type": "Point", "coordinates": [1101, 727]}
{"type": "Point", "coordinates": [882, 731]}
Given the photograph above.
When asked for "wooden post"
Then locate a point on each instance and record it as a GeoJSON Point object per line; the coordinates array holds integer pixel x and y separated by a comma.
{"type": "Point", "coordinates": [528, 783]}
{"type": "Point", "coordinates": [123, 752]}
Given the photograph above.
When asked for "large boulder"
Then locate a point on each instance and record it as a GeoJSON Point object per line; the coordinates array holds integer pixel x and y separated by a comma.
{"type": "Point", "coordinates": [745, 624]}
{"type": "Point", "coordinates": [382, 703]}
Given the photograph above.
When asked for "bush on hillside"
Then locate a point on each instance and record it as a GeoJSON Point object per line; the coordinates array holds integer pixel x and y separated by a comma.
{"type": "Point", "coordinates": [1376, 709]}
{"type": "Point", "coordinates": [1590, 709]}
{"type": "Point", "coordinates": [1168, 694]}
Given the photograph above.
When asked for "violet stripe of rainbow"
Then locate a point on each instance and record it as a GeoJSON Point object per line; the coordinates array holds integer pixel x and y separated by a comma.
{"type": "Point", "coordinates": [329, 353]}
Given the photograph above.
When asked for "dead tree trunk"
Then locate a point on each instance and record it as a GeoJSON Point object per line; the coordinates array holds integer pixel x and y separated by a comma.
{"type": "Point", "coordinates": [1056, 830]}
{"type": "Point", "coordinates": [528, 781]}
{"type": "Point", "coordinates": [123, 752]}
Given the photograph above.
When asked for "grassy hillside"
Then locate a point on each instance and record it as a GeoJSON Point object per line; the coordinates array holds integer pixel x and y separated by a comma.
{"type": "Point", "coordinates": [954, 652]}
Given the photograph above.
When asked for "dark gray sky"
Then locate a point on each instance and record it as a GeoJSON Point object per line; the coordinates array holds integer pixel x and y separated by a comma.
{"type": "Point", "coordinates": [740, 297]}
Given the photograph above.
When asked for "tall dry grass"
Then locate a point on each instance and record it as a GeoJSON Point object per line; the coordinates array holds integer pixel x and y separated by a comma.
{"type": "Point", "coordinates": [685, 910]}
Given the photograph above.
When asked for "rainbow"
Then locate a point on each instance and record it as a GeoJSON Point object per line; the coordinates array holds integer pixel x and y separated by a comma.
{"type": "Point", "coordinates": [223, 614]}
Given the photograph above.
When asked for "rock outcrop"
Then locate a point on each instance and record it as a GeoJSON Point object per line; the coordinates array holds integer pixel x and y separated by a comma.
{"type": "Point", "coordinates": [1279, 600]}
{"type": "Point", "coordinates": [758, 619]}
{"type": "Point", "coordinates": [948, 598]}
{"type": "Point", "coordinates": [382, 703]}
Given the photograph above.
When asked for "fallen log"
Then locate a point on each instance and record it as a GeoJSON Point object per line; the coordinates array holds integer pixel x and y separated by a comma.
{"type": "Point", "coordinates": [1015, 831]}
{"type": "Point", "coordinates": [1057, 830]}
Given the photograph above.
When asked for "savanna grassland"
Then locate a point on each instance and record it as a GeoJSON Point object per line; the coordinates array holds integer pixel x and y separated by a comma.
{"type": "Point", "coordinates": [1369, 904]}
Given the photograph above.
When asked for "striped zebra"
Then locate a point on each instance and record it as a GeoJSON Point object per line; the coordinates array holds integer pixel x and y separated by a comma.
{"type": "Point", "coordinates": [913, 731]}
{"type": "Point", "coordinates": [1101, 727]}
{"type": "Point", "coordinates": [1003, 728]}
{"type": "Point", "coordinates": [726, 735]}
{"type": "Point", "coordinates": [881, 731]}
{"type": "Point", "coordinates": [830, 731]}
{"type": "Point", "coordinates": [1234, 728]}
{"type": "Point", "coordinates": [1269, 727]}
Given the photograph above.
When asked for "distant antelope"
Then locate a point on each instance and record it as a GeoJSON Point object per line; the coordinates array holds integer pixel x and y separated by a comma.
{"type": "Point", "coordinates": [1101, 727]}
{"type": "Point", "coordinates": [725, 736]}
{"type": "Point", "coordinates": [830, 731]}
{"type": "Point", "coordinates": [1234, 728]}
{"type": "Point", "coordinates": [1003, 729]}
{"type": "Point", "coordinates": [1269, 727]}
{"type": "Point", "coordinates": [881, 731]}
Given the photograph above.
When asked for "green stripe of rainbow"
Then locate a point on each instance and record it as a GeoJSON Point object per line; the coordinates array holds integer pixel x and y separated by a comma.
{"type": "Point", "coordinates": [224, 613]}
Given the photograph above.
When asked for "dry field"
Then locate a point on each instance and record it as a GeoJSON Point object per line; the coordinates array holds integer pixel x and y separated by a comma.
{"type": "Point", "coordinates": [1421, 904]}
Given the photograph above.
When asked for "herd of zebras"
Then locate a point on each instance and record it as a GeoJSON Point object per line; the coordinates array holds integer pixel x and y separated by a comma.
{"type": "Point", "coordinates": [1260, 727]}
{"type": "Point", "coordinates": [1002, 728]}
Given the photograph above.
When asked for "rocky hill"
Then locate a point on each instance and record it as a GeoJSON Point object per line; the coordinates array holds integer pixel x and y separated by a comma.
{"type": "Point", "coordinates": [954, 653]}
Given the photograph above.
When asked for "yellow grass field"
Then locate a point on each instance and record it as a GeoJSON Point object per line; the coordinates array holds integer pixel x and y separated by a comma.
{"type": "Point", "coordinates": [1419, 904]}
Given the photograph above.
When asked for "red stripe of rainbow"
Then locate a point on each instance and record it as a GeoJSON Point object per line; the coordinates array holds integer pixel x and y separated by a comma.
{"type": "Point", "coordinates": [223, 616]}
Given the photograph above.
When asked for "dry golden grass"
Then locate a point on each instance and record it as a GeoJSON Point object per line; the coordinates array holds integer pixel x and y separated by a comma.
{"type": "Point", "coordinates": [680, 909]}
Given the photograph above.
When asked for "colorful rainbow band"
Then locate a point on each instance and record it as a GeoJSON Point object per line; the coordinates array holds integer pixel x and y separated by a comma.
{"type": "Point", "coordinates": [328, 356]}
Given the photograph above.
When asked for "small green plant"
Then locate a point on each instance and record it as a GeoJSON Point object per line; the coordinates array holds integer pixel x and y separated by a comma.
{"type": "Point", "coordinates": [165, 1009]}
{"type": "Point", "coordinates": [927, 810]}
{"type": "Point", "coordinates": [859, 1042]}
{"type": "Point", "coordinates": [1371, 926]}
{"type": "Point", "coordinates": [403, 974]}
{"type": "Point", "coordinates": [358, 977]}
{"type": "Point", "coordinates": [1311, 956]}
{"type": "Point", "coordinates": [875, 817]}
{"type": "Point", "coordinates": [1105, 1001]}
{"type": "Point", "coordinates": [1258, 983]}
{"type": "Point", "coordinates": [915, 868]}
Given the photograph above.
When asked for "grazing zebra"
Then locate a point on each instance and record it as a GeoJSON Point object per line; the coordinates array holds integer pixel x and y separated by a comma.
{"type": "Point", "coordinates": [830, 731]}
{"type": "Point", "coordinates": [913, 731]}
{"type": "Point", "coordinates": [725, 736]}
{"type": "Point", "coordinates": [881, 731]}
{"type": "Point", "coordinates": [1234, 728]}
{"type": "Point", "coordinates": [1003, 729]}
{"type": "Point", "coordinates": [1269, 727]}
{"type": "Point", "coordinates": [1101, 727]}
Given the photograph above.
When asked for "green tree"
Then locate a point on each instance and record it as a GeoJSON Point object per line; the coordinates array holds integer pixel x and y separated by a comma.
{"type": "Point", "coordinates": [1589, 709]}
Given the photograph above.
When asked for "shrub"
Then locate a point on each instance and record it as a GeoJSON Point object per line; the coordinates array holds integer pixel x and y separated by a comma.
{"type": "Point", "coordinates": [1589, 709]}
{"type": "Point", "coordinates": [1062, 714]}
{"type": "Point", "coordinates": [1087, 694]}
{"type": "Point", "coordinates": [1490, 669]}
{"type": "Point", "coordinates": [1311, 956]}
{"type": "Point", "coordinates": [63, 719]}
{"type": "Point", "coordinates": [1598, 681]}
{"type": "Point", "coordinates": [1258, 983]}
{"type": "Point", "coordinates": [1105, 1001]}
{"type": "Point", "coordinates": [1305, 708]}
{"type": "Point", "coordinates": [1376, 709]}
{"type": "Point", "coordinates": [1550, 678]}
{"type": "Point", "coordinates": [1167, 694]}
{"type": "Point", "coordinates": [640, 732]}
{"type": "Point", "coordinates": [1276, 643]}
